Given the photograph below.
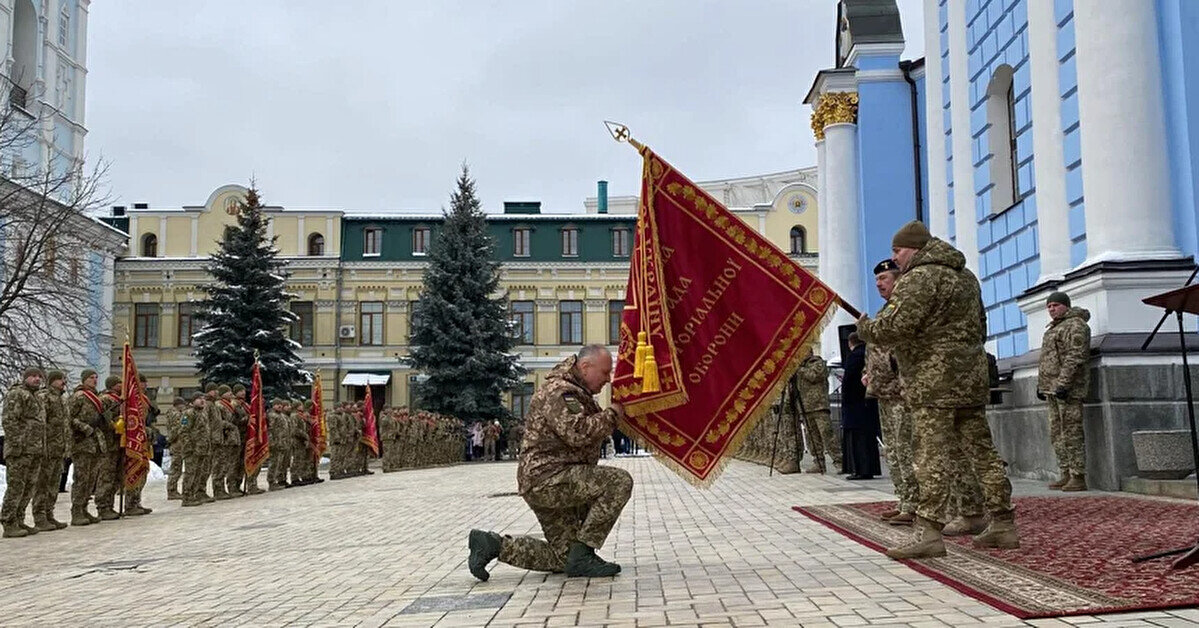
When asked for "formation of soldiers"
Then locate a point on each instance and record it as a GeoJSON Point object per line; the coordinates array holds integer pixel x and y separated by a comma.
{"type": "Point", "coordinates": [418, 440]}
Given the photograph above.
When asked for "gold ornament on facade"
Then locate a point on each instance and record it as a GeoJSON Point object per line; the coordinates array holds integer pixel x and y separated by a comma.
{"type": "Point", "coordinates": [834, 108]}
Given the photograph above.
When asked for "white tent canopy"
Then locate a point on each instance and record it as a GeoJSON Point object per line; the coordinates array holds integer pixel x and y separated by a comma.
{"type": "Point", "coordinates": [365, 379]}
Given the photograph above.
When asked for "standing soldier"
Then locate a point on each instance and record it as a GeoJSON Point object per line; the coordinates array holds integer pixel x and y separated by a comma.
{"type": "Point", "coordinates": [58, 438]}
{"type": "Point", "coordinates": [197, 446]}
{"type": "Point", "coordinates": [935, 325]}
{"type": "Point", "coordinates": [361, 453]}
{"type": "Point", "coordinates": [304, 456]}
{"type": "Point", "coordinates": [24, 424]}
{"type": "Point", "coordinates": [231, 445]}
{"type": "Point", "coordinates": [237, 460]}
{"type": "Point", "coordinates": [280, 444]}
{"type": "Point", "coordinates": [88, 448]}
{"type": "Point", "coordinates": [1062, 380]}
{"type": "Point", "coordinates": [389, 439]}
{"type": "Point", "coordinates": [491, 435]}
{"type": "Point", "coordinates": [110, 462]}
{"type": "Point", "coordinates": [336, 458]}
{"type": "Point", "coordinates": [813, 389]}
{"type": "Point", "coordinates": [175, 435]}
{"type": "Point", "coordinates": [517, 433]}
{"type": "Point", "coordinates": [216, 426]}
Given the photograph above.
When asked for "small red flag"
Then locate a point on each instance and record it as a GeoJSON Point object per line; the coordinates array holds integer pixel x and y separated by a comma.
{"type": "Point", "coordinates": [370, 432]}
{"type": "Point", "coordinates": [257, 443]}
{"type": "Point", "coordinates": [133, 411]}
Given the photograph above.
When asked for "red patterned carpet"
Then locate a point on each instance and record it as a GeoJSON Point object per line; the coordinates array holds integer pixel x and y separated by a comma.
{"type": "Point", "coordinates": [1074, 559]}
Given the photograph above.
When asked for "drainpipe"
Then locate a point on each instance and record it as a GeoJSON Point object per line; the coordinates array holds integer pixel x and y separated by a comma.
{"type": "Point", "coordinates": [906, 67]}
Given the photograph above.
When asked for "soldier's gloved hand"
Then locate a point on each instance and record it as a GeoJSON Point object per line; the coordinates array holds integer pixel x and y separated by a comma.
{"type": "Point", "coordinates": [1041, 395]}
{"type": "Point", "coordinates": [1062, 392]}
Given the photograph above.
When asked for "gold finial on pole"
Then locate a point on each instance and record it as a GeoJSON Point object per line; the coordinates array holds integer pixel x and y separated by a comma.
{"type": "Point", "coordinates": [621, 133]}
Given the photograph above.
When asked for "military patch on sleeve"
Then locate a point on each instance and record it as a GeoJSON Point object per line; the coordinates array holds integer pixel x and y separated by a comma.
{"type": "Point", "coordinates": [572, 404]}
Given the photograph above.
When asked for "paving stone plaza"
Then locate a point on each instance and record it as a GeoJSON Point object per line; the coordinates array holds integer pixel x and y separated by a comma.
{"type": "Point", "coordinates": [390, 550]}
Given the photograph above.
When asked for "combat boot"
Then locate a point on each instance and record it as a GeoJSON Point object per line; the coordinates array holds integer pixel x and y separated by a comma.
{"type": "Point", "coordinates": [58, 525]}
{"type": "Point", "coordinates": [814, 468]}
{"type": "Point", "coordinates": [79, 517]}
{"type": "Point", "coordinates": [27, 528]}
{"type": "Point", "coordinates": [1057, 485]}
{"type": "Point", "coordinates": [90, 517]}
{"type": "Point", "coordinates": [886, 516]}
{"type": "Point", "coordinates": [902, 519]}
{"type": "Point", "coordinates": [965, 525]}
{"type": "Point", "coordinates": [189, 502]}
{"type": "Point", "coordinates": [484, 548]}
{"type": "Point", "coordinates": [40, 523]}
{"type": "Point", "coordinates": [1001, 533]}
{"type": "Point", "coordinates": [108, 514]}
{"type": "Point", "coordinates": [928, 544]}
{"type": "Point", "coordinates": [174, 495]}
{"type": "Point", "coordinates": [581, 561]}
{"type": "Point", "coordinates": [14, 531]}
{"type": "Point", "coordinates": [206, 498]}
{"type": "Point", "coordinates": [1077, 483]}
{"type": "Point", "coordinates": [137, 511]}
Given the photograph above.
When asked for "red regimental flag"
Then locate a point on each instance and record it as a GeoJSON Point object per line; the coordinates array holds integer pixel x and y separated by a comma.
{"type": "Point", "coordinates": [320, 437]}
{"type": "Point", "coordinates": [370, 432]}
{"type": "Point", "coordinates": [726, 316]}
{"type": "Point", "coordinates": [133, 411]}
{"type": "Point", "coordinates": [257, 444]}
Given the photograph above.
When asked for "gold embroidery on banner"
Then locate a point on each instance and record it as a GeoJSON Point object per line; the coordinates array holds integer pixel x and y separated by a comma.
{"type": "Point", "coordinates": [656, 430]}
{"type": "Point", "coordinates": [698, 460]}
{"type": "Point", "coordinates": [818, 296]}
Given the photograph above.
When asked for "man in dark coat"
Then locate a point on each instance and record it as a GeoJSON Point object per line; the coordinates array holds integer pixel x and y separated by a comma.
{"type": "Point", "coordinates": [859, 417]}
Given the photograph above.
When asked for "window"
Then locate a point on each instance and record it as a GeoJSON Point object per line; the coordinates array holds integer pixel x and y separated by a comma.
{"type": "Point", "coordinates": [522, 321]}
{"type": "Point", "coordinates": [149, 245]}
{"type": "Point", "coordinates": [370, 328]}
{"type": "Point", "coordinates": [372, 241]}
{"type": "Point", "coordinates": [411, 316]}
{"type": "Point", "coordinates": [186, 319]}
{"type": "Point", "coordinates": [145, 325]}
{"type": "Point", "coordinates": [570, 242]}
{"type": "Point", "coordinates": [316, 244]}
{"type": "Point", "coordinates": [799, 240]}
{"type": "Point", "coordinates": [615, 312]}
{"type": "Point", "coordinates": [1001, 140]}
{"type": "Point", "coordinates": [64, 26]}
{"type": "Point", "coordinates": [301, 330]}
{"type": "Point", "coordinates": [620, 243]}
{"type": "Point", "coordinates": [520, 242]}
{"type": "Point", "coordinates": [420, 241]}
{"type": "Point", "coordinates": [520, 400]}
{"type": "Point", "coordinates": [570, 322]}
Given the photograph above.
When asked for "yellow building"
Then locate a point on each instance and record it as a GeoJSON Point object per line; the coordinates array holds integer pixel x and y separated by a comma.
{"type": "Point", "coordinates": [355, 277]}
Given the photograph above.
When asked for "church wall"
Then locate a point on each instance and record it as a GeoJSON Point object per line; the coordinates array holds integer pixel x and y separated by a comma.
{"type": "Point", "coordinates": [1179, 23]}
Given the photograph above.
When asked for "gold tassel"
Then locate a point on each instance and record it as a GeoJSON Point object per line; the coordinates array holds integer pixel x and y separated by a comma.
{"type": "Point", "coordinates": [639, 358]}
{"type": "Point", "coordinates": [649, 382]}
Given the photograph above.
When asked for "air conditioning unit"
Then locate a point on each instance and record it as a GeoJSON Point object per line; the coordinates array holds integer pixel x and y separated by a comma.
{"type": "Point", "coordinates": [345, 331]}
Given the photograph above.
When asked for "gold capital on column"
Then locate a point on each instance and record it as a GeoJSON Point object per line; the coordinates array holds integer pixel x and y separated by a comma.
{"type": "Point", "coordinates": [834, 108]}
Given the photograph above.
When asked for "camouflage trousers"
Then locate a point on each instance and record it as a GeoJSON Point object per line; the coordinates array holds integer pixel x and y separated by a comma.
{"type": "Point", "coordinates": [897, 436]}
{"type": "Point", "coordinates": [195, 476]}
{"type": "Point", "coordinates": [45, 496]}
{"type": "Point", "coordinates": [22, 484]}
{"type": "Point", "coordinates": [362, 456]}
{"type": "Point", "coordinates": [304, 464]}
{"type": "Point", "coordinates": [235, 467]}
{"type": "Point", "coordinates": [581, 503]}
{"type": "Point", "coordinates": [391, 456]}
{"type": "Point", "coordinates": [83, 483]}
{"type": "Point", "coordinates": [280, 464]}
{"type": "Point", "coordinates": [822, 437]}
{"type": "Point", "coordinates": [175, 475]}
{"type": "Point", "coordinates": [1065, 432]}
{"type": "Point", "coordinates": [108, 478]}
{"type": "Point", "coordinates": [944, 436]}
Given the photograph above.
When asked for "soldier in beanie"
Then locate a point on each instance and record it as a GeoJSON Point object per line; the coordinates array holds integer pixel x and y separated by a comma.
{"type": "Point", "coordinates": [217, 425]}
{"type": "Point", "coordinates": [24, 423]}
{"type": "Point", "coordinates": [231, 450]}
{"type": "Point", "coordinates": [58, 438]}
{"type": "Point", "coordinates": [86, 412]}
{"type": "Point", "coordinates": [241, 421]}
{"type": "Point", "coordinates": [935, 325]}
{"type": "Point", "coordinates": [1062, 378]}
{"type": "Point", "coordinates": [110, 462]}
{"type": "Point", "coordinates": [196, 444]}
{"type": "Point", "coordinates": [175, 442]}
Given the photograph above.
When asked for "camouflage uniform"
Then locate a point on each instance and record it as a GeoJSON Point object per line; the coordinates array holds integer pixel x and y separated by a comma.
{"type": "Point", "coordinates": [1063, 377]}
{"type": "Point", "coordinates": [813, 391]}
{"type": "Point", "coordinates": [235, 471]}
{"type": "Point", "coordinates": [196, 445]}
{"type": "Point", "coordinates": [58, 438]}
{"type": "Point", "coordinates": [88, 446]}
{"type": "Point", "coordinates": [110, 474]}
{"type": "Point", "coordinates": [216, 455]}
{"type": "Point", "coordinates": [230, 475]}
{"type": "Point", "coordinates": [883, 377]}
{"type": "Point", "coordinates": [935, 325]}
{"type": "Point", "coordinates": [24, 449]}
{"type": "Point", "coordinates": [280, 437]}
{"type": "Point", "coordinates": [389, 435]}
{"type": "Point", "coordinates": [174, 426]}
{"type": "Point", "coordinates": [573, 498]}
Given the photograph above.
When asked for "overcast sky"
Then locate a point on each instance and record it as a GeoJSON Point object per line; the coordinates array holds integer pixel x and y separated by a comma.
{"type": "Point", "coordinates": [374, 104]}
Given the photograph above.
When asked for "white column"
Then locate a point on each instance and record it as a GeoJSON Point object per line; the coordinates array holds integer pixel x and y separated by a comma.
{"type": "Point", "coordinates": [194, 250]}
{"type": "Point", "coordinates": [1125, 167]}
{"type": "Point", "coordinates": [934, 140]}
{"type": "Point", "coordinates": [841, 238]}
{"type": "Point", "coordinates": [821, 210]}
{"type": "Point", "coordinates": [1053, 210]}
{"type": "Point", "coordinates": [301, 249]}
{"type": "Point", "coordinates": [965, 223]}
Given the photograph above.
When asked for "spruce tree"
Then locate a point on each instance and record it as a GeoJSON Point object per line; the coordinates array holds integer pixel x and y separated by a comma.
{"type": "Point", "coordinates": [461, 336]}
{"type": "Point", "coordinates": [247, 308]}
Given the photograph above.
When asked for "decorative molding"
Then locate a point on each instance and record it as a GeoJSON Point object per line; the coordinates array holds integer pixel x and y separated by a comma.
{"type": "Point", "coordinates": [546, 305]}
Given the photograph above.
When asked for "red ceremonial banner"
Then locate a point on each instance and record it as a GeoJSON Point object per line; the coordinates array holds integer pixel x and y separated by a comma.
{"type": "Point", "coordinates": [133, 411]}
{"type": "Point", "coordinates": [370, 432]}
{"type": "Point", "coordinates": [319, 435]}
{"type": "Point", "coordinates": [257, 437]}
{"type": "Point", "coordinates": [716, 320]}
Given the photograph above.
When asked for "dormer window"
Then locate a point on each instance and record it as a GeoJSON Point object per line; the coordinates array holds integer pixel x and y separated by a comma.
{"type": "Point", "coordinates": [420, 241]}
{"type": "Point", "coordinates": [372, 241]}
{"type": "Point", "coordinates": [570, 242]}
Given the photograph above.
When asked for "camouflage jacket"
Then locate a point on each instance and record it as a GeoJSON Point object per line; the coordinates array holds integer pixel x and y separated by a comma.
{"type": "Point", "coordinates": [564, 427]}
{"type": "Point", "coordinates": [812, 378]}
{"type": "Point", "coordinates": [58, 428]}
{"type": "Point", "coordinates": [24, 423]}
{"type": "Point", "coordinates": [112, 413]}
{"type": "Point", "coordinates": [86, 422]}
{"type": "Point", "coordinates": [229, 431]}
{"type": "Point", "coordinates": [882, 373]}
{"type": "Point", "coordinates": [195, 432]}
{"type": "Point", "coordinates": [215, 422]}
{"type": "Point", "coordinates": [278, 430]}
{"type": "Point", "coordinates": [174, 426]}
{"type": "Point", "coordinates": [299, 430]}
{"type": "Point", "coordinates": [1065, 352]}
{"type": "Point", "coordinates": [935, 325]}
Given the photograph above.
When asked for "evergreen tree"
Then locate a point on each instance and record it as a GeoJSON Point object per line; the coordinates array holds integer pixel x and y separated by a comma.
{"type": "Point", "coordinates": [461, 336]}
{"type": "Point", "coordinates": [247, 309]}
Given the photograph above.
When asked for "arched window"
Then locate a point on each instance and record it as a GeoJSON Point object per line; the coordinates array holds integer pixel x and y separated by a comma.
{"type": "Point", "coordinates": [149, 245]}
{"type": "Point", "coordinates": [799, 240]}
{"type": "Point", "coordinates": [316, 244]}
{"type": "Point", "coordinates": [1001, 139]}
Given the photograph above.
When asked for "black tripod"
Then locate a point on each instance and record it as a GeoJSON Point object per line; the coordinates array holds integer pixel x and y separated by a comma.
{"type": "Point", "coordinates": [1185, 299]}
